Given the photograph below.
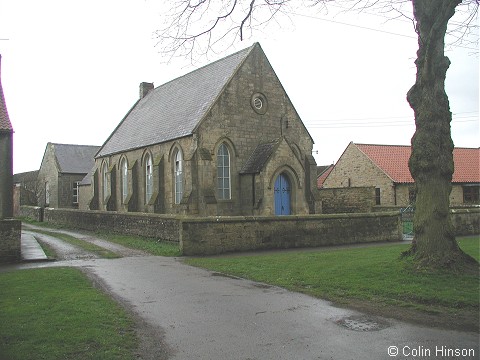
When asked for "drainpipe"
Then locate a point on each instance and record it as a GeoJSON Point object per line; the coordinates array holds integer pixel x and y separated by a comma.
{"type": "Point", "coordinates": [395, 193]}
{"type": "Point", "coordinates": [253, 192]}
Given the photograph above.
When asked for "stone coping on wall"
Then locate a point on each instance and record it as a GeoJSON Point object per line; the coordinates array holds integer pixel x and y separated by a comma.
{"type": "Point", "coordinates": [285, 218]}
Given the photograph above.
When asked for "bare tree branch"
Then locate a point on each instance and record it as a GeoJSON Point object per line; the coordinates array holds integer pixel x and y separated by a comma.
{"type": "Point", "coordinates": [196, 25]}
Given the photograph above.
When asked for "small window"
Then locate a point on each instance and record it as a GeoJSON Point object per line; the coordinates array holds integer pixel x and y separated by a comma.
{"type": "Point", "coordinates": [75, 191]}
{"type": "Point", "coordinates": [148, 178]}
{"type": "Point", "coordinates": [223, 173]}
{"type": "Point", "coordinates": [377, 196]}
{"type": "Point", "coordinates": [178, 177]}
{"type": "Point", "coordinates": [471, 194]}
{"type": "Point", "coordinates": [259, 103]}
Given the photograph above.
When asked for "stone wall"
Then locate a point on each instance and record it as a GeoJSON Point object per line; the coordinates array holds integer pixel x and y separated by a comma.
{"type": "Point", "coordinates": [466, 221]}
{"type": "Point", "coordinates": [66, 183]}
{"type": "Point", "coordinates": [207, 236]}
{"type": "Point", "coordinates": [10, 244]}
{"type": "Point", "coordinates": [161, 227]}
{"type": "Point", "coordinates": [214, 235]}
{"type": "Point", "coordinates": [31, 212]}
{"type": "Point", "coordinates": [347, 200]}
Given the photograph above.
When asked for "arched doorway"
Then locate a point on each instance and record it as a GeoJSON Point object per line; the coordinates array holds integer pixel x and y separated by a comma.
{"type": "Point", "coordinates": [282, 195]}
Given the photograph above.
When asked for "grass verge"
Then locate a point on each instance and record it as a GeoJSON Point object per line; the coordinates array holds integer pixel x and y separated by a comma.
{"type": "Point", "coordinates": [372, 279]}
{"type": "Point", "coordinates": [55, 313]}
{"type": "Point", "coordinates": [85, 245]}
{"type": "Point", "coordinates": [151, 246]}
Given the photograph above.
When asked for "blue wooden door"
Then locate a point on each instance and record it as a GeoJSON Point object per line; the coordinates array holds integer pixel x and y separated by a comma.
{"type": "Point", "coordinates": [282, 195]}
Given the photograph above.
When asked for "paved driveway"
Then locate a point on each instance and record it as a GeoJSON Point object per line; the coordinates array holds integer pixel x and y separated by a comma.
{"type": "Point", "coordinates": [197, 314]}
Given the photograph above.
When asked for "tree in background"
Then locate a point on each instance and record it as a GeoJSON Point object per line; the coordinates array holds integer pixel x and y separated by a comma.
{"type": "Point", "coordinates": [194, 27]}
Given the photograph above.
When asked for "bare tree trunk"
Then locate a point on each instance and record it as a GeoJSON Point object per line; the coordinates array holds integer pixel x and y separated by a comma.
{"type": "Point", "coordinates": [431, 162]}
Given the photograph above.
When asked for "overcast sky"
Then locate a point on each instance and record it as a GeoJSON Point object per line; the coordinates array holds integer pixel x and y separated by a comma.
{"type": "Point", "coordinates": [71, 71]}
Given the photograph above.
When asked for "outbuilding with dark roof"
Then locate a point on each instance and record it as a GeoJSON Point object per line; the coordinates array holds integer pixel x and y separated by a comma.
{"type": "Point", "coordinates": [63, 168]}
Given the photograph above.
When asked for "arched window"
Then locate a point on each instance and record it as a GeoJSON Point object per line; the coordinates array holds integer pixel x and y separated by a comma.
{"type": "Point", "coordinates": [178, 170]}
{"type": "Point", "coordinates": [148, 178]}
{"type": "Point", "coordinates": [124, 170]}
{"type": "Point", "coordinates": [105, 180]}
{"type": "Point", "coordinates": [223, 173]}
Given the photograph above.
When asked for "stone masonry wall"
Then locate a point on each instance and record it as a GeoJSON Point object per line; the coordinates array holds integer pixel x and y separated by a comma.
{"type": "Point", "coordinates": [466, 221]}
{"type": "Point", "coordinates": [48, 173]}
{"type": "Point", "coordinates": [10, 244]}
{"type": "Point", "coordinates": [161, 227]}
{"type": "Point", "coordinates": [347, 200]}
{"type": "Point", "coordinates": [214, 235]}
{"type": "Point", "coordinates": [31, 212]}
{"type": "Point", "coordinates": [207, 236]}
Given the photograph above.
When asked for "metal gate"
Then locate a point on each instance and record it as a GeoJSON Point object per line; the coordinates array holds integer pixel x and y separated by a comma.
{"type": "Point", "coordinates": [407, 221]}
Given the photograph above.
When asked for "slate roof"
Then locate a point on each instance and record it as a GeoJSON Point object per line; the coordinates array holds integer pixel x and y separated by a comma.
{"type": "Point", "coordinates": [393, 160]}
{"type": "Point", "coordinates": [5, 124]}
{"type": "Point", "coordinates": [74, 159]}
{"type": "Point", "coordinates": [23, 177]}
{"type": "Point", "coordinates": [174, 109]}
{"type": "Point", "coordinates": [259, 158]}
{"type": "Point", "coordinates": [323, 174]}
{"type": "Point", "coordinates": [87, 180]}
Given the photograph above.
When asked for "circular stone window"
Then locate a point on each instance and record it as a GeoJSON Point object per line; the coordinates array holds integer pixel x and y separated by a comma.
{"type": "Point", "coordinates": [259, 103]}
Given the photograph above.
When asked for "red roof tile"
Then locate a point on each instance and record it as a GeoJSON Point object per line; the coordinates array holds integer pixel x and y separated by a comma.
{"type": "Point", "coordinates": [393, 160]}
{"type": "Point", "coordinates": [321, 178]}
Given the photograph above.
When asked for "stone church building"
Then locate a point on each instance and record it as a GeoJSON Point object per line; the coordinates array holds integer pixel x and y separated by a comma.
{"type": "Point", "coordinates": [222, 140]}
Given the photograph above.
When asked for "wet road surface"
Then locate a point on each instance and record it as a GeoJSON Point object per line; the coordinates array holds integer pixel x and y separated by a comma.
{"type": "Point", "coordinates": [198, 314]}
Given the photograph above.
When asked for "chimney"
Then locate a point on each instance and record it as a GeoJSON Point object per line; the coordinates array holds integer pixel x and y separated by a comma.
{"type": "Point", "coordinates": [145, 88]}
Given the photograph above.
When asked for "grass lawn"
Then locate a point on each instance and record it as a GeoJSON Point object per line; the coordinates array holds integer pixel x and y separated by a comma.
{"type": "Point", "coordinates": [55, 313]}
{"type": "Point", "coordinates": [371, 278]}
{"type": "Point", "coordinates": [151, 246]}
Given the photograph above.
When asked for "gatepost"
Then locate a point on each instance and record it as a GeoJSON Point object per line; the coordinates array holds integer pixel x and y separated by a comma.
{"type": "Point", "coordinates": [10, 229]}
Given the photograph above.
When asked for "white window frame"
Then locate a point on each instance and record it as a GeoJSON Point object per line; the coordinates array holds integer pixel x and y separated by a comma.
{"type": "Point", "coordinates": [148, 178]}
{"type": "Point", "coordinates": [178, 173]}
{"type": "Point", "coordinates": [76, 185]}
{"type": "Point", "coordinates": [124, 170]}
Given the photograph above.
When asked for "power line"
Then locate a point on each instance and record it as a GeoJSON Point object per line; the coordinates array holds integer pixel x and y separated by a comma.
{"type": "Point", "coordinates": [459, 115]}
{"type": "Point", "coordinates": [381, 122]}
{"type": "Point", "coordinates": [370, 29]}
{"type": "Point", "coordinates": [356, 26]}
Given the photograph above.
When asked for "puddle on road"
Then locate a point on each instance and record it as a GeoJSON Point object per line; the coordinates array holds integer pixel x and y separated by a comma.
{"type": "Point", "coordinates": [362, 323]}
